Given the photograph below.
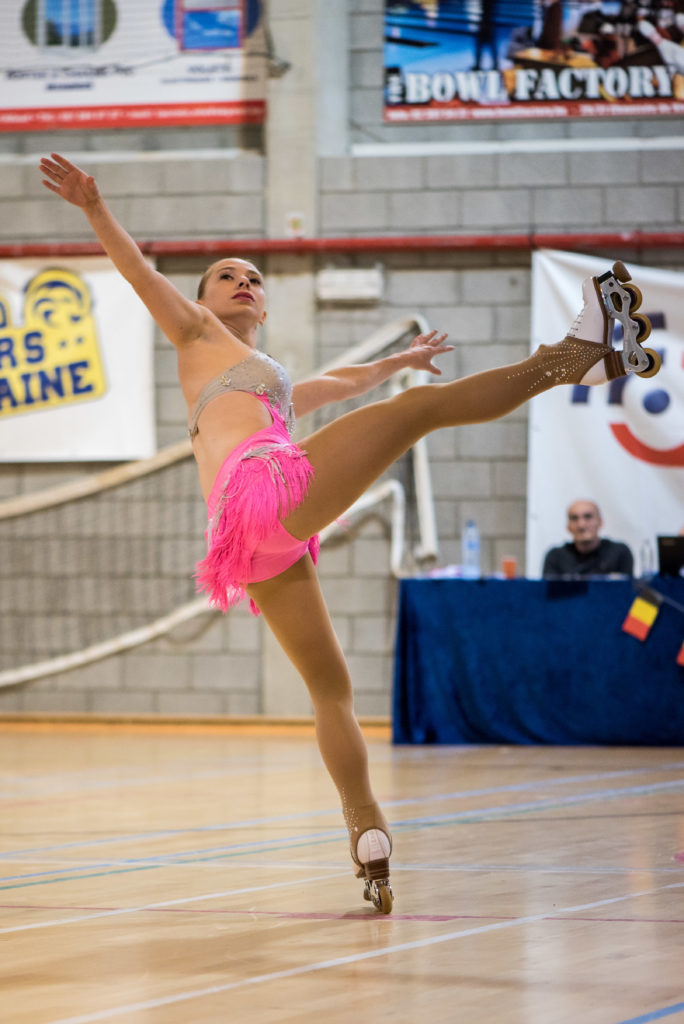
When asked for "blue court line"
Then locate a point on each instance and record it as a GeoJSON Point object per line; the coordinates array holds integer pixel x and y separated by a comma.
{"type": "Point", "coordinates": [88, 784]}
{"type": "Point", "coordinates": [161, 860]}
{"type": "Point", "coordinates": [519, 787]}
{"type": "Point", "coordinates": [165, 833]}
{"type": "Point", "coordinates": [510, 810]}
{"type": "Point", "coordinates": [464, 817]}
{"type": "Point", "coordinates": [239, 852]}
{"type": "Point", "coordinates": [317, 839]}
{"type": "Point", "coordinates": [667, 1011]}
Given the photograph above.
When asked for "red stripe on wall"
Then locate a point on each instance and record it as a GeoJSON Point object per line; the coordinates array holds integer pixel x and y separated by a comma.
{"type": "Point", "coordinates": [142, 115]}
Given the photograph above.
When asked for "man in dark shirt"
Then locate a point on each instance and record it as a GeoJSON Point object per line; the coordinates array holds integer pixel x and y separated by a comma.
{"type": "Point", "coordinates": [588, 554]}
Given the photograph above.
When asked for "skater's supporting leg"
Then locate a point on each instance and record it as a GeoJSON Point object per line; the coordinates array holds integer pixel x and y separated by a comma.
{"type": "Point", "coordinates": [293, 607]}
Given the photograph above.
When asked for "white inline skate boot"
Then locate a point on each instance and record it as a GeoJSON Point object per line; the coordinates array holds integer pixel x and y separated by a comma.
{"type": "Point", "coordinates": [370, 845]}
{"type": "Point", "coordinates": [373, 850]}
{"type": "Point", "coordinates": [587, 355]}
{"type": "Point", "coordinates": [613, 296]}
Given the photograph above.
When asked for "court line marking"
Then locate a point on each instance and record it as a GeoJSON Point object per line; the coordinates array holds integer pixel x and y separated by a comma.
{"type": "Point", "coordinates": [666, 1011]}
{"type": "Point", "coordinates": [170, 903]}
{"type": "Point", "coordinates": [453, 867]}
{"type": "Point", "coordinates": [93, 787]}
{"type": "Point", "coordinates": [504, 810]}
{"type": "Point", "coordinates": [260, 979]}
{"type": "Point", "coordinates": [101, 868]}
{"type": "Point", "coordinates": [356, 915]}
{"type": "Point", "coordinates": [298, 815]}
{"type": "Point", "coordinates": [266, 846]}
{"type": "Point", "coordinates": [469, 816]}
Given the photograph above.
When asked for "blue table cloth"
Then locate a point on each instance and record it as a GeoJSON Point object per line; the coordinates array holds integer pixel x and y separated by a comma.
{"type": "Point", "coordinates": [534, 661]}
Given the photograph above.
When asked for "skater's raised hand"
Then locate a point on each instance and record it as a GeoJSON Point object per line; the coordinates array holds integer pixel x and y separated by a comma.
{"type": "Point", "coordinates": [423, 350]}
{"type": "Point", "coordinates": [180, 319]}
{"type": "Point", "coordinates": [68, 181]}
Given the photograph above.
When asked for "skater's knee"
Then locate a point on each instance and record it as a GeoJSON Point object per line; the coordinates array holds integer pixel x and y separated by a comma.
{"type": "Point", "coordinates": [416, 408]}
{"type": "Point", "coordinates": [331, 692]}
{"type": "Point", "coordinates": [416, 396]}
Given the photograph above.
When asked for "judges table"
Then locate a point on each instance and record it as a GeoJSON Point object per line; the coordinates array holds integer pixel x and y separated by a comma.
{"type": "Point", "coordinates": [535, 661]}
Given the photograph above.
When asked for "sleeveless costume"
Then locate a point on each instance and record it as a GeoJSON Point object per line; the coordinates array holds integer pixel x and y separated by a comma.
{"type": "Point", "coordinates": [258, 484]}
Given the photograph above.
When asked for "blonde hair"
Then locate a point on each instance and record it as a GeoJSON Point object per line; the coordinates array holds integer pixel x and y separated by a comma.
{"type": "Point", "coordinates": [205, 276]}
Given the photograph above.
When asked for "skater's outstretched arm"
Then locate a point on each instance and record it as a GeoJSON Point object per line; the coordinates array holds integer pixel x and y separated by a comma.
{"type": "Point", "coordinates": [180, 319]}
{"type": "Point", "coordinates": [351, 381]}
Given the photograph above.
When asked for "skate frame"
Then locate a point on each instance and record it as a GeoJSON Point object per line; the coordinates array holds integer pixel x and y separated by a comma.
{"type": "Point", "coordinates": [634, 358]}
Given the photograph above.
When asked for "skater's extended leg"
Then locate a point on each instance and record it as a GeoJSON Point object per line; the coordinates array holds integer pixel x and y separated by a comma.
{"type": "Point", "coordinates": [354, 450]}
{"type": "Point", "coordinates": [295, 611]}
{"type": "Point", "coordinates": [351, 452]}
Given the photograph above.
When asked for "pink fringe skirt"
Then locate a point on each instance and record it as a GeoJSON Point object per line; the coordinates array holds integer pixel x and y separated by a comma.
{"type": "Point", "coordinates": [260, 482]}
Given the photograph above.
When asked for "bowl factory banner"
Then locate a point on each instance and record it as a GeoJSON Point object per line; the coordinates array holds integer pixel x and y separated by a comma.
{"type": "Point", "coordinates": [123, 63]}
{"type": "Point", "coordinates": [76, 363]}
{"type": "Point", "coordinates": [454, 60]}
{"type": "Point", "coordinates": [619, 444]}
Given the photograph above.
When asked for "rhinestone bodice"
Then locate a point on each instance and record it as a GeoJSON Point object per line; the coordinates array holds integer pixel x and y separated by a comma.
{"type": "Point", "coordinates": [257, 374]}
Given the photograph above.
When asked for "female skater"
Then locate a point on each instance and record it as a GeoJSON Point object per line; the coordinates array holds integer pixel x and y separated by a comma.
{"type": "Point", "coordinates": [268, 498]}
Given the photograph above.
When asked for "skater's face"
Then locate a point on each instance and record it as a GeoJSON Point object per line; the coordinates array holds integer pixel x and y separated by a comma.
{"type": "Point", "coordinates": [233, 287]}
{"type": "Point", "coordinates": [584, 523]}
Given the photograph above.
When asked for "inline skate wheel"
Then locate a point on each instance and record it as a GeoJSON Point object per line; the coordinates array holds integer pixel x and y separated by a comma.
{"type": "Point", "coordinates": [644, 327]}
{"type": "Point", "coordinates": [635, 296]}
{"type": "Point", "coordinates": [380, 895]}
{"type": "Point", "coordinates": [621, 272]}
{"type": "Point", "coordinates": [654, 363]}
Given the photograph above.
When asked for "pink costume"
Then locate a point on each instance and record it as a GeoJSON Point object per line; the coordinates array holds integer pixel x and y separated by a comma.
{"type": "Point", "coordinates": [259, 483]}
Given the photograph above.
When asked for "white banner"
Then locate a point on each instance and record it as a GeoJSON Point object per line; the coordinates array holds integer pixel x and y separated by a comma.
{"type": "Point", "coordinates": [620, 444]}
{"type": "Point", "coordinates": [76, 363]}
{"type": "Point", "coordinates": [100, 64]}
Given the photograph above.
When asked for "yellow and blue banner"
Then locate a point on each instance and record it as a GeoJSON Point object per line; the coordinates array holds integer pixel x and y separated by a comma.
{"type": "Point", "coordinates": [76, 363]}
{"type": "Point", "coordinates": [52, 358]}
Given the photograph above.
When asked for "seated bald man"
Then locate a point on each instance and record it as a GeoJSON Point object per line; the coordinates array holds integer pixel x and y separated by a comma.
{"type": "Point", "coordinates": [588, 554]}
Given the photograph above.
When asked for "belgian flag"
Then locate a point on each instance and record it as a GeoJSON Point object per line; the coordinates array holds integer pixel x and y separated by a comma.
{"type": "Point", "coordinates": [642, 614]}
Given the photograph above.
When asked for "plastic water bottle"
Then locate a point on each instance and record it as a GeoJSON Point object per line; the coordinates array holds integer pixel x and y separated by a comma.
{"type": "Point", "coordinates": [647, 565]}
{"type": "Point", "coordinates": [470, 551]}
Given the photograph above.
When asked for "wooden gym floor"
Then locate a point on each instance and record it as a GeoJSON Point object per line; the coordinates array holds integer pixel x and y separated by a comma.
{"type": "Point", "coordinates": [170, 875]}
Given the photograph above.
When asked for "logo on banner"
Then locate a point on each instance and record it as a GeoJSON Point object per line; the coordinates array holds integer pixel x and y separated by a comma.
{"type": "Point", "coordinates": [79, 26]}
{"type": "Point", "coordinates": [211, 26]}
{"type": "Point", "coordinates": [53, 359]}
{"type": "Point", "coordinates": [655, 401]}
{"type": "Point", "coordinates": [454, 59]}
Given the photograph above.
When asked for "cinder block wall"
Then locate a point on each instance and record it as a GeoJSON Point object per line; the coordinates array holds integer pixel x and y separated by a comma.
{"type": "Point", "coordinates": [634, 185]}
{"type": "Point", "coordinates": [600, 177]}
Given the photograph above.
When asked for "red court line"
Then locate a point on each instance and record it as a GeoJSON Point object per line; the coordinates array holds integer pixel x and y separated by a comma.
{"type": "Point", "coordinates": [353, 915]}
